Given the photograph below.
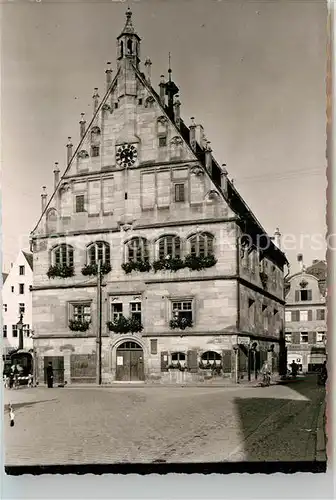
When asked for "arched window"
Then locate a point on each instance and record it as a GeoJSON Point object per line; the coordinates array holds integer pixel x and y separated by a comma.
{"type": "Point", "coordinates": [169, 246]}
{"type": "Point", "coordinates": [63, 255]}
{"type": "Point", "coordinates": [201, 244]}
{"type": "Point", "coordinates": [99, 250]}
{"type": "Point", "coordinates": [129, 46]}
{"type": "Point", "coordinates": [137, 250]}
{"type": "Point", "coordinates": [121, 49]}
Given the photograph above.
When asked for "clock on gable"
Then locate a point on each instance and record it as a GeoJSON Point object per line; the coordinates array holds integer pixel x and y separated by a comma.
{"type": "Point", "coordinates": [126, 155]}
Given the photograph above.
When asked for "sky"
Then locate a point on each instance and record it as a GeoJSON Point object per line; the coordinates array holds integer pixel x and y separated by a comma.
{"type": "Point", "coordinates": [251, 72]}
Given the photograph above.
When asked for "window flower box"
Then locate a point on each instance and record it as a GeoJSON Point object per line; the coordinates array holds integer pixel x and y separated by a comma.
{"type": "Point", "coordinates": [92, 269]}
{"type": "Point", "coordinates": [125, 325]}
{"type": "Point", "coordinates": [169, 264]}
{"type": "Point", "coordinates": [177, 366]}
{"type": "Point", "coordinates": [78, 326]}
{"type": "Point", "coordinates": [198, 263]}
{"type": "Point", "coordinates": [141, 265]}
{"type": "Point", "coordinates": [59, 271]}
{"type": "Point", "coordinates": [181, 322]}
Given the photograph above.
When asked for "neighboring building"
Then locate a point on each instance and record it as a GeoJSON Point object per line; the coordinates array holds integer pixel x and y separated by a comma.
{"type": "Point", "coordinates": [17, 299]}
{"type": "Point", "coordinates": [180, 249]}
{"type": "Point", "coordinates": [306, 316]}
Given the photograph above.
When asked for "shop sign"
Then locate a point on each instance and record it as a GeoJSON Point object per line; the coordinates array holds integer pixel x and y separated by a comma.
{"type": "Point", "coordinates": [243, 340]}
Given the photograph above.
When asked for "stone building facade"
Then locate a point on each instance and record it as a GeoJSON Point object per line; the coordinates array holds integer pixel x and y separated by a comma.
{"type": "Point", "coordinates": [192, 286]}
{"type": "Point", "coordinates": [306, 317]}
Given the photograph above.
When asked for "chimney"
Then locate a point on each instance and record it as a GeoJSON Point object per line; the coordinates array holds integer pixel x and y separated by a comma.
{"type": "Point", "coordinates": [69, 150]}
{"type": "Point", "coordinates": [108, 75]}
{"type": "Point", "coordinates": [224, 179]}
{"type": "Point", "coordinates": [95, 98]}
{"type": "Point", "coordinates": [82, 125]}
{"type": "Point", "coordinates": [44, 198]}
{"type": "Point", "coordinates": [148, 66]}
{"type": "Point", "coordinates": [56, 175]}
{"type": "Point", "coordinates": [162, 86]}
{"type": "Point", "coordinates": [192, 135]}
{"type": "Point", "coordinates": [277, 238]}
{"type": "Point", "coordinates": [208, 158]}
{"type": "Point", "coordinates": [300, 260]}
{"type": "Point", "coordinates": [199, 134]}
{"type": "Point", "coordinates": [177, 106]}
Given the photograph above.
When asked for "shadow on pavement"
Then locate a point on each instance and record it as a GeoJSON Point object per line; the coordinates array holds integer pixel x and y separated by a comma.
{"type": "Point", "coordinates": [18, 406]}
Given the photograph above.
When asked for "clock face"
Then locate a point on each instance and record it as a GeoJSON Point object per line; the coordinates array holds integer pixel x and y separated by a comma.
{"type": "Point", "coordinates": [126, 155]}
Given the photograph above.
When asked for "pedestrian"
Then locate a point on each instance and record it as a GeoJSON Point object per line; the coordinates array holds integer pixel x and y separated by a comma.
{"type": "Point", "coordinates": [11, 416]}
{"type": "Point", "coordinates": [50, 375]}
{"type": "Point", "coordinates": [294, 368]}
{"type": "Point", "coordinates": [266, 373]}
{"type": "Point", "coordinates": [30, 380]}
{"type": "Point", "coordinates": [323, 375]}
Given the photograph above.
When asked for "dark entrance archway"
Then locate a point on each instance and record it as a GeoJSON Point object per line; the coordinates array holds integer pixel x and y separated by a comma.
{"type": "Point", "coordinates": [130, 366]}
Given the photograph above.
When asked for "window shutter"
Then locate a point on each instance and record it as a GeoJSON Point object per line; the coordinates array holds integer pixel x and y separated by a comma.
{"type": "Point", "coordinates": [226, 361]}
{"type": "Point", "coordinates": [296, 337]}
{"type": "Point", "coordinates": [164, 361]}
{"type": "Point", "coordinates": [312, 337]}
{"type": "Point", "coordinates": [309, 295]}
{"type": "Point", "coordinates": [297, 295]}
{"type": "Point", "coordinates": [192, 361]}
{"type": "Point", "coordinates": [310, 315]}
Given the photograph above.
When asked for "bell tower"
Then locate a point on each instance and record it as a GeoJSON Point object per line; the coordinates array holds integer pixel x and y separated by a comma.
{"type": "Point", "coordinates": [128, 43]}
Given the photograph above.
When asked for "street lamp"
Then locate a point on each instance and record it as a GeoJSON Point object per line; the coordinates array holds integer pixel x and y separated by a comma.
{"type": "Point", "coordinates": [20, 328]}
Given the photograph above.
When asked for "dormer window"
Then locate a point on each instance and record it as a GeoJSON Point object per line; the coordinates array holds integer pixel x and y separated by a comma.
{"type": "Point", "coordinates": [303, 295]}
{"type": "Point", "coordinates": [162, 141]}
{"type": "Point", "coordinates": [95, 151]}
{"type": "Point", "coordinates": [129, 47]}
{"type": "Point", "coordinates": [121, 49]}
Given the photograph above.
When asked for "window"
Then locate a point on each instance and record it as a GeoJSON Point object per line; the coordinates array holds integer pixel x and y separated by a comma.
{"type": "Point", "coordinates": [140, 102]}
{"type": "Point", "coordinates": [25, 329]}
{"type": "Point", "coordinates": [320, 314]}
{"type": "Point", "coordinates": [288, 338]}
{"type": "Point", "coordinates": [99, 250]}
{"type": "Point", "coordinates": [12, 288]}
{"type": "Point", "coordinates": [14, 331]}
{"type": "Point", "coordinates": [81, 312]}
{"type": "Point", "coordinates": [179, 193]}
{"type": "Point", "coordinates": [21, 270]}
{"type": "Point", "coordinates": [116, 105]}
{"type": "Point", "coordinates": [4, 331]}
{"type": "Point", "coordinates": [288, 316]}
{"type": "Point", "coordinates": [80, 203]}
{"type": "Point", "coordinates": [95, 151]}
{"type": "Point", "coordinates": [116, 310]}
{"type": "Point", "coordinates": [21, 308]}
{"type": "Point", "coordinates": [135, 309]}
{"type": "Point", "coordinates": [21, 288]}
{"type": "Point", "coordinates": [303, 315]}
{"type": "Point", "coordinates": [304, 338]}
{"type": "Point", "coordinates": [162, 141]}
{"type": "Point", "coordinates": [153, 346]}
{"type": "Point", "coordinates": [137, 249]}
{"type": "Point", "coordinates": [296, 315]}
{"type": "Point", "coordinates": [201, 244]}
{"type": "Point", "coordinates": [177, 357]}
{"type": "Point", "coordinates": [63, 256]}
{"type": "Point", "coordinates": [320, 337]}
{"type": "Point", "coordinates": [169, 245]}
{"type": "Point", "coordinates": [5, 307]}
{"type": "Point", "coordinates": [303, 295]}
{"type": "Point", "coordinates": [182, 309]}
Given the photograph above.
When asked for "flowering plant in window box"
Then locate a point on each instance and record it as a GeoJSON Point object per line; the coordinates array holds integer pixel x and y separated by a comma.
{"type": "Point", "coordinates": [125, 325]}
{"type": "Point", "coordinates": [92, 269]}
{"type": "Point", "coordinates": [141, 265]}
{"type": "Point", "coordinates": [170, 264]}
{"type": "Point", "coordinates": [60, 271]}
{"type": "Point", "coordinates": [177, 366]}
{"type": "Point", "coordinates": [203, 365]}
{"type": "Point", "coordinates": [196, 263]}
{"type": "Point", "coordinates": [78, 326]}
{"type": "Point", "coordinates": [181, 322]}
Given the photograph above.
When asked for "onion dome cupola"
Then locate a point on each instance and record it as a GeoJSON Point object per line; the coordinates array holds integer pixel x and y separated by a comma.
{"type": "Point", "coordinates": [128, 42]}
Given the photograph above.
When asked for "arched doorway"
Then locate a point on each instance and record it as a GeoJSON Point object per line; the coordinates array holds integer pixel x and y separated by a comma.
{"type": "Point", "coordinates": [130, 366]}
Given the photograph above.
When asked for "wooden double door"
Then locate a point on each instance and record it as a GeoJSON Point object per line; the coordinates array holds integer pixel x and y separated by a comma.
{"type": "Point", "coordinates": [130, 363]}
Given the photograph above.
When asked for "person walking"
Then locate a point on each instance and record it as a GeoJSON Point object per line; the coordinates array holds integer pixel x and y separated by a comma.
{"type": "Point", "coordinates": [266, 373]}
{"type": "Point", "coordinates": [50, 375]}
{"type": "Point", "coordinates": [294, 368]}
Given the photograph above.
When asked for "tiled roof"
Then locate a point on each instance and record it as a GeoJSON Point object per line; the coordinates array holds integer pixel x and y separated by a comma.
{"type": "Point", "coordinates": [29, 259]}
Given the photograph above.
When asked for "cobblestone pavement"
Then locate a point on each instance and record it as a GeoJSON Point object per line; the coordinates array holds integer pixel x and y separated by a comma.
{"type": "Point", "coordinates": [145, 424]}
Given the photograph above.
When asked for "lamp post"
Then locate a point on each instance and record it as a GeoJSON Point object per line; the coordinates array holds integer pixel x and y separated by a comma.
{"type": "Point", "coordinates": [20, 328]}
